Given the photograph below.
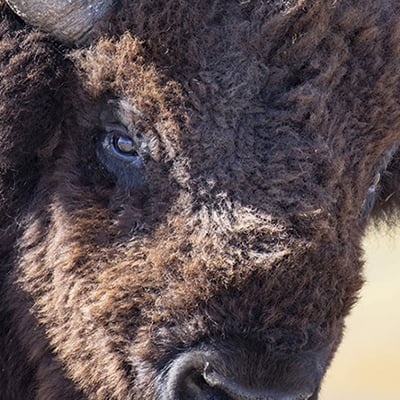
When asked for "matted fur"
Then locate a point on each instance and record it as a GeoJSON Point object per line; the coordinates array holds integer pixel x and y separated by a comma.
{"type": "Point", "coordinates": [267, 123]}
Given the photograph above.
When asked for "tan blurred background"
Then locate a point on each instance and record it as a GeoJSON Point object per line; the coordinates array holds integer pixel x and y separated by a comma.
{"type": "Point", "coordinates": [367, 365]}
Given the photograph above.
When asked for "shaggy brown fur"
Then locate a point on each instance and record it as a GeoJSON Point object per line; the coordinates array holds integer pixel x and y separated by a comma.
{"type": "Point", "coordinates": [266, 123]}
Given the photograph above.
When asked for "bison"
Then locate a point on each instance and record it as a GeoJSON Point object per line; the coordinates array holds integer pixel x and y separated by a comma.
{"type": "Point", "coordinates": [184, 186]}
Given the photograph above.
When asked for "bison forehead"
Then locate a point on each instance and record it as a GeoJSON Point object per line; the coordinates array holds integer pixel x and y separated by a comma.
{"type": "Point", "coordinates": [232, 80]}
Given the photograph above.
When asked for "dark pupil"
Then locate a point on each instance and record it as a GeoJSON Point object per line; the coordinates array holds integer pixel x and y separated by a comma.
{"type": "Point", "coordinates": [124, 145]}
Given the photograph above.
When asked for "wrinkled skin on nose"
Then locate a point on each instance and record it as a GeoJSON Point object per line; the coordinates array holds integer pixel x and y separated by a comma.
{"type": "Point", "coordinates": [228, 272]}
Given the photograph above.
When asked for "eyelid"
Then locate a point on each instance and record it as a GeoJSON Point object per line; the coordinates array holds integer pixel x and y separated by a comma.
{"type": "Point", "coordinates": [110, 128]}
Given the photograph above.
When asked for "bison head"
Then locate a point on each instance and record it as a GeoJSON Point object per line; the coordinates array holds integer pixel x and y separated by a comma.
{"type": "Point", "coordinates": [184, 188]}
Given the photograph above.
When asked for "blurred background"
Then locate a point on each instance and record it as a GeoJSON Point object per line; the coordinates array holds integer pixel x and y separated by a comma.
{"type": "Point", "coordinates": [367, 365]}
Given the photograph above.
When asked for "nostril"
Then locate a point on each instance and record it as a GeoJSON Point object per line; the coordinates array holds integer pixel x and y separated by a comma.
{"type": "Point", "coordinates": [185, 380]}
{"type": "Point", "coordinates": [195, 387]}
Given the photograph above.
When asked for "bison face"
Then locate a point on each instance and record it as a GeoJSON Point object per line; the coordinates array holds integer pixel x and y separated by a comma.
{"type": "Point", "coordinates": [204, 182]}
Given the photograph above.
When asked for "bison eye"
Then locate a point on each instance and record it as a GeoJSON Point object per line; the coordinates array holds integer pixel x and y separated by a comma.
{"type": "Point", "coordinates": [121, 153]}
{"type": "Point", "coordinates": [124, 147]}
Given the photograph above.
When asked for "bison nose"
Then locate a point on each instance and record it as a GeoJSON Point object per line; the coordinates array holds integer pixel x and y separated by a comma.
{"type": "Point", "coordinates": [192, 377]}
{"type": "Point", "coordinates": [212, 386]}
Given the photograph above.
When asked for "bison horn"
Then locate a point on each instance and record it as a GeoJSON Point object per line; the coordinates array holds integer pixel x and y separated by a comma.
{"type": "Point", "coordinates": [71, 21]}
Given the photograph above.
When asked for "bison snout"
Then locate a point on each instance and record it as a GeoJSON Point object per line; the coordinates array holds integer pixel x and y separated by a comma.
{"type": "Point", "coordinates": [192, 376]}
